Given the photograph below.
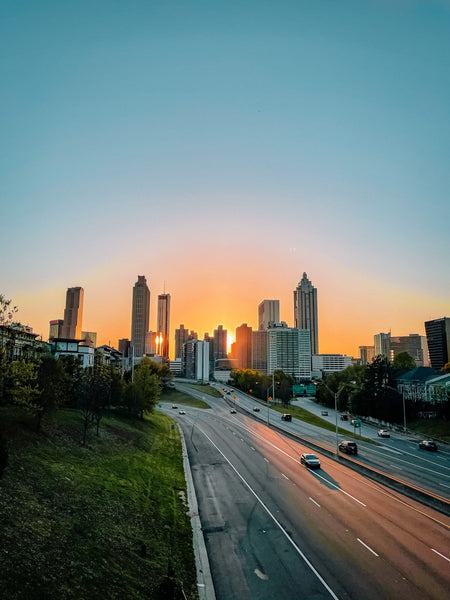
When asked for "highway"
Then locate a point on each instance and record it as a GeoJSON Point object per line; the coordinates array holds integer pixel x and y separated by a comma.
{"type": "Point", "coordinates": [274, 529]}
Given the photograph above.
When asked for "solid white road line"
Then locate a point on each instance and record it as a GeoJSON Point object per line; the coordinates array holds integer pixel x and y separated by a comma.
{"type": "Point", "coordinates": [316, 503]}
{"type": "Point", "coordinates": [285, 476]}
{"type": "Point", "coordinates": [441, 554]}
{"type": "Point", "coordinates": [368, 547]}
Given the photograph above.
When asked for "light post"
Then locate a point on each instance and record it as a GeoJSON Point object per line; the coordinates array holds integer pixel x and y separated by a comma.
{"type": "Point", "coordinates": [336, 395]}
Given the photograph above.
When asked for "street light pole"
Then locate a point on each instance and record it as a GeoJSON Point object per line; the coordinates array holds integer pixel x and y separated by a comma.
{"type": "Point", "coordinates": [335, 415]}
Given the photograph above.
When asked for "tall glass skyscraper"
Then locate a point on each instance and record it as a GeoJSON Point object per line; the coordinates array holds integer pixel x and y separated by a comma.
{"type": "Point", "coordinates": [438, 339]}
{"type": "Point", "coordinates": [305, 311]}
{"type": "Point", "coordinates": [163, 324]}
{"type": "Point", "coordinates": [140, 315]}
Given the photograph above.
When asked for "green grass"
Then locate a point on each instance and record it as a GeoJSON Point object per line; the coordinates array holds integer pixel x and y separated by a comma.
{"type": "Point", "coordinates": [206, 389]}
{"type": "Point", "coordinates": [176, 397]}
{"type": "Point", "coordinates": [434, 428]}
{"type": "Point", "coordinates": [98, 522]}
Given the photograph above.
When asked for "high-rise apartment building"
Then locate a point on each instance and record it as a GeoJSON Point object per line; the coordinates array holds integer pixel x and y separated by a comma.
{"type": "Point", "coordinates": [306, 311]}
{"type": "Point", "coordinates": [73, 313]}
{"type": "Point", "coordinates": [140, 315]}
{"type": "Point", "coordinates": [196, 360]}
{"type": "Point", "coordinates": [438, 339]}
{"type": "Point", "coordinates": [182, 335]}
{"type": "Point", "coordinates": [163, 324]}
{"type": "Point", "coordinates": [289, 349]}
{"type": "Point", "coordinates": [268, 312]}
{"type": "Point", "coordinates": [242, 348]}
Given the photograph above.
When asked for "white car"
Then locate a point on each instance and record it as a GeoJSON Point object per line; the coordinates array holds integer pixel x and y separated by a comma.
{"type": "Point", "coordinates": [384, 433]}
{"type": "Point", "coordinates": [182, 412]}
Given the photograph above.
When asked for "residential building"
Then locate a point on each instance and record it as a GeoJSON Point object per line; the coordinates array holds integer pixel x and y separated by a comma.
{"type": "Point", "coordinates": [19, 341]}
{"type": "Point", "coordinates": [181, 337]}
{"type": "Point", "coordinates": [289, 349]}
{"type": "Point", "coordinates": [382, 344]}
{"type": "Point", "coordinates": [438, 339]}
{"type": "Point", "coordinates": [366, 354]}
{"type": "Point", "coordinates": [71, 347]}
{"type": "Point", "coordinates": [176, 366]}
{"type": "Point", "coordinates": [259, 351]}
{"type": "Point", "coordinates": [140, 315]}
{"type": "Point", "coordinates": [163, 324]}
{"type": "Point", "coordinates": [111, 356]}
{"type": "Point", "coordinates": [56, 328]}
{"type": "Point", "coordinates": [73, 313]}
{"type": "Point", "coordinates": [325, 364]}
{"type": "Point", "coordinates": [242, 347]}
{"type": "Point", "coordinates": [268, 311]}
{"type": "Point", "coordinates": [306, 311]}
{"type": "Point", "coordinates": [412, 385]}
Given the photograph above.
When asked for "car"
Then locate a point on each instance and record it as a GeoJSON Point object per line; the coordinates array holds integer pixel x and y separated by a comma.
{"type": "Point", "coordinates": [310, 460]}
{"type": "Point", "coordinates": [256, 408]}
{"type": "Point", "coordinates": [228, 393]}
{"type": "Point", "coordinates": [286, 417]}
{"type": "Point", "coordinates": [428, 445]}
{"type": "Point", "coordinates": [324, 413]}
{"type": "Point", "coordinates": [348, 447]}
{"type": "Point", "coordinates": [383, 433]}
{"type": "Point", "coordinates": [344, 417]}
{"type": "Point", "coordinates": [181, 412]}
{"type": "Point", "coordinates": [233, 411]}
{"type": "Point", "coordinates": [174, 406]}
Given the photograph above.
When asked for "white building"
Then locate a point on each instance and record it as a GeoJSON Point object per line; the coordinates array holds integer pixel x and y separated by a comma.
{"type": "Point", "coordinates": [68, 347]}
{"type": "Point", "coordinates": [196, 360]}
{"type": "Point", "coordinates": [289, 349]}
{"type": "Point", "coordinates": [324, 364]}
{"type": "Point", "coordinates": [268, 311]}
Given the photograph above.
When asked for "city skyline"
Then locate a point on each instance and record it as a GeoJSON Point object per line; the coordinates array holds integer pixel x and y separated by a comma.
{"type": "Point", "coordinates": [225, 150]}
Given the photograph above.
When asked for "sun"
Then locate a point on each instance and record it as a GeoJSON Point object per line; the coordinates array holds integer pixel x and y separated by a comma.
{"type": "Point", "coordinates": [230, 340]}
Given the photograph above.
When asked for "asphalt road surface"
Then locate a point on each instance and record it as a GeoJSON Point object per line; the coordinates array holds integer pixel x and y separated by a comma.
{"type": "Point", "coordinates": [276, 530]}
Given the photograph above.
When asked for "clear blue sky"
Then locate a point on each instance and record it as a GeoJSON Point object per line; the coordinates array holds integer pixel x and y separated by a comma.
{"type": "Point", "coordinates": [256, 138]}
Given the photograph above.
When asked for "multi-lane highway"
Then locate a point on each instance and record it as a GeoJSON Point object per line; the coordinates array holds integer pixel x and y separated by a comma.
{"type": "Point", "coordinates": [274, 529]}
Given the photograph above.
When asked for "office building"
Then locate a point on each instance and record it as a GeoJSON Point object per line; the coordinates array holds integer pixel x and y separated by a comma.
{"type": "Point", "coordinates": [140, 316]}
{"type": "Point", "coordinates": [196, 360]}
{"type": "Point", "coordinates": [414, 344]}
{"type": "Point", "coordinates": [163, 324]}
{"type": "Point", "coordinates": [268, 312]}
{"type": "Point", "coordinates": [181, 337]}
{"type": "Point", "coordinates": [306, 311]}
{"type": "Point", "coordinates": [259, 351]}
{"type": "Point", "coordinates": [382, 344]}
{"type": "Point", "coordinates": [325, 364]}
{"type": "Point", "coordinates": [56, 329]}
{"type": "Point", "coordinates": [289, 349]}
{"type": "Point", "coordinates": [438, 340]}
{"type": "Point", "coordinates": [152, 345]}
{"type": "Point", "coordinates": [366, 354]}
{"type": "Point", "coordinates": [73, 313]}
{"type": "Point", "coordinates": [124, 347]}
{"type": "Point", "coordinates": [220, 343]}
{"type": "Point", "coordinates": [242, 347]}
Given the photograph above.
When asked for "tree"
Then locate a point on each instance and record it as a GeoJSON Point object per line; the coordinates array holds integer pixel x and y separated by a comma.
{"type": "Point", "coordinates": [94, 396]}
{"type": "Point", "coordinates": [145, 388]}
{"type": "Point", "coordinates": [50, 382]}
{"type": "Point", "coordinates": [404, 361]}
{"type": "Point", "coordinates": [7, 313]}
{"type": "Point", "coordinates": [21, 384]}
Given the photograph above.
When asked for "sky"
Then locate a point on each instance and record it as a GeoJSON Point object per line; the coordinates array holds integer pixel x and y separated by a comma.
{"type": "Point", "coordinates": [222, 149]}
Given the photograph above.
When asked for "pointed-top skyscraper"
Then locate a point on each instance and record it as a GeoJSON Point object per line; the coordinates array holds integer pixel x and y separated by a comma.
{"type": "Point", "coordinates": [140, 315]}
{"type": "Point", "coordinates": [163, 324]}
{"type": "Point", "coordinates": [305, 311]}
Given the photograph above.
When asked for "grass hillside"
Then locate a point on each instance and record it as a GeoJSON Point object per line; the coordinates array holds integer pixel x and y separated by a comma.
{"type": "Point", "coordinates": [103, 521]}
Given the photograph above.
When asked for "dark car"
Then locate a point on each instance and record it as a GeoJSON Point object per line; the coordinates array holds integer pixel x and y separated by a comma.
{"type": "Point", "coordinates": [428, 445]}
{"type": "Point", "coordinates": [348, 447]}
{"type": "Point", "coordinates": [233, 411]}
{"type": "Point", "coordinates": [286, 417]}
{"type": "Point", "coordinates": [344, 417]}
{"type": "Point", "coordinates": [256, 409]}
{"type": "Point", "coordinates": [324, 413]}
{"type": "Point", "coordinates": [310, 460]}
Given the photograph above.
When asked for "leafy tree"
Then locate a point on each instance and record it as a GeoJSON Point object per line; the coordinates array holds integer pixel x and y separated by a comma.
{"type": "Point", "coordinates": [7, 313]}
{"type": "Point", "coordinates": [94, 396]}
{"type": "Point", "coordinates": [72, 379]}
{"type": "Point", "coordinates": [145, 387]}
{"type": "Point", "coordinates": [21, 384]}
{"type": "Point", "coordinates": [404, 360]}
{"type": "Point", "coordinates": [50, 382]}
{"type": "Point", "coordinates": [344, 383]}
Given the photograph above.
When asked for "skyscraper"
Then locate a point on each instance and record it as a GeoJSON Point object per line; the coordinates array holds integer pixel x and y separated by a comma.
{"type": "Point", "coordinates": [73, 313]}
{"type": "Point", "coordinates": [220, 342]}
{"type": "Point", "coordinates": [438, 339]}
{"type": "Point", "coordinates": [163, 324]}
{"type": "Point", "coordinates": [243, 347]}
{"type": "Point", "coordinates": [268, 311]}
{"type": "Point", "coordinates": [140, 315]}
{"type": "Point", "coordinates": [305, 311]}
{"type": "Point", "coordinates": [289, 349]}
{"type": "Point", "coordinates": [382, 344]}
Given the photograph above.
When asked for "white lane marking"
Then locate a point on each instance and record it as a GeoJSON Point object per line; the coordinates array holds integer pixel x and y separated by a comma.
{"type": "Point", "coordinates": [275, 520]}
{"type": "Point", "coordinates": [368, 547]}
{"type": "Point", "coordinates": [242, 439]}
{"type": "Point", "coordinates": [443, 485]}
{"type": "Point", "coordinates": [316, 503]}
{"type": "Point", "coordinates": [257, 435]}
{"type": "Point", "coordinates": [260, 574]}
{"type": "Point", "coordinates": [414, 464]}
{"type": "Point", "coordinates": [252, 447]}
{"type": "Point", "coordinates": [395, 467]}
{"type": "Point", "coordinates": [392, 450]}
{"type": "Point", "coordinates": [266, 459]}
{"type": "Point", "coordinates": [441, 554]}
{"type": "Point", "coordinates": [285, 476]}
